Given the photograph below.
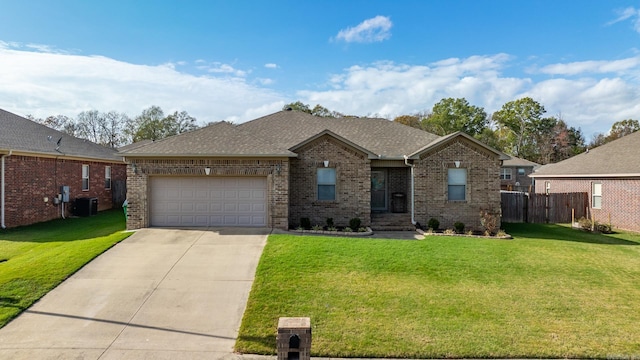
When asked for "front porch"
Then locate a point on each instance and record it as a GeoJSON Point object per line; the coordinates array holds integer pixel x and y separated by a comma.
{"type": "Point", "coordinates": [390, 202]}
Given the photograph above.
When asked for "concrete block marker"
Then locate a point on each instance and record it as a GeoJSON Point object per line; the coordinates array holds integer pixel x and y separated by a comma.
{"type": "Point", "coordinates": [294, 338]}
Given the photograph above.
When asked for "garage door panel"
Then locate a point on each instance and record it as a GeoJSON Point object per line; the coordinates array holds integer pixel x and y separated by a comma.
{"type": "Point", "coordinates": [208, 201]}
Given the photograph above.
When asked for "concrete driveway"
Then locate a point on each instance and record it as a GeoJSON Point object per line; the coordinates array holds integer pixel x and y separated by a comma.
{"type": "Point", "coordinates": [160, 294]}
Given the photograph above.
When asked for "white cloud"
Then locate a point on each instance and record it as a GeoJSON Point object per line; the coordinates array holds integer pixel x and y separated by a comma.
{"type": "Point", "coordinates": [43, 84]}
{"type": "Point", "coordinates": [271, 66]}
{"type": "Point", "coordinates": [220, 68]}
{"type": "Point", "coordinates": [390, 89]}
{"type": "Point", "coordinates": [594, 67]}
{"type": "Point", "coordinates": [371, 30]}
{"type": "Point", "coordinates": [626, 14]}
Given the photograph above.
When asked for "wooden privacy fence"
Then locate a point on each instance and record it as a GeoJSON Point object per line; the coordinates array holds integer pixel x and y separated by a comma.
{"type": "Point", "coordinates": [543, 208]}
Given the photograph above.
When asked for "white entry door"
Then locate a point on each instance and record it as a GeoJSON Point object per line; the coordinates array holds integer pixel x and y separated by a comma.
{"type": "Point", "coordinates": [208, 201]}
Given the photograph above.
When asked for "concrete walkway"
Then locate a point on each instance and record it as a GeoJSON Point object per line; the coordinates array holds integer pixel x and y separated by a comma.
{"type": "Point", "coordinates": [160, 294]}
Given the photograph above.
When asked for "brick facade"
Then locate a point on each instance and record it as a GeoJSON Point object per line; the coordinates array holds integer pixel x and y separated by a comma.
{"type": "Point", "coordinates": [353, 184]}
{"type": "Point", "coordinates": [482, 190]}
{"type": "Point", "coordinates": [620, 198]}
{"type": "Point", "coordinates": [275, 170]}
{"type": "Point", "coordinates": [29, 180]}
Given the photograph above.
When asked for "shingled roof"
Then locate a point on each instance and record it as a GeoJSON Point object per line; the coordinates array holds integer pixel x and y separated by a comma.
{"type": "Point", "coordinates": [516, 161]}
{"type": "Point", "coordinates": [385, 138]}
{"type": "Point", "coordinates": [218, 139]}
{"type": "Point", "coordinates": [19, 135]}
{"type": "Point", "coordinates": [619, 158]}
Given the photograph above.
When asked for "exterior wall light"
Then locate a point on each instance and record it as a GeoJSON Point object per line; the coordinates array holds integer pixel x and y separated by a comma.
{"type": "Point", "coordinates": [457, 162]}
{"type": "Point", "coordinates": [207, 171]}
{"type": "Point", "coordinates": [326, 163]}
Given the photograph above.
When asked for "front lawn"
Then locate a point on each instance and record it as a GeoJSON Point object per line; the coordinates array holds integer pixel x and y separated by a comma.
{"type": "Point", "coordinates": [550, 292]}
{"type": "Point", "coordinates": [35, 259]}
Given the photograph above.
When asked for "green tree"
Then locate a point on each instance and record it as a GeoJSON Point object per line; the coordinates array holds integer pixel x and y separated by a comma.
{"type": "Point", "coordinates": [318, 110]}
{"type": "Point", "coordinates": [451, 115]}
{"type": "Point", "coordinates": [622, 128]}
{"type": "Point", "coordinates": [522, 118]}
{"type": "Point", "coordinates": [409, 120]}
{"type": "Point", "coordinates": [152, 124]}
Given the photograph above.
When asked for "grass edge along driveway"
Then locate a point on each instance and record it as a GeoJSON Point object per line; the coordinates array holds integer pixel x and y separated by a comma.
{"type": "Point", "coordinates": [551, 292]}
{"type": "Point", "coordinates": [35, 259]}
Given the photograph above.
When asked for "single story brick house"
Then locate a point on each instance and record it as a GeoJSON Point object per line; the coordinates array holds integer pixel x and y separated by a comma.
{"type": "Point", "coordinates": [610, 174]}
{"type": "Point", "coordinates": [37, 161]}
{"type": "Point", "coordinates": [275, 170]}
{"type": "Point", "coordinates": [514, 174]}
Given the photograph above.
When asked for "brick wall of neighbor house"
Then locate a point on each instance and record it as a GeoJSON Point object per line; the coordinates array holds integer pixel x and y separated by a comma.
{"type": "Point", "coordinates": [620, 198]}
{"type": "Point", "coordinates": [353, 188]}
{"type": "Point", "coordinates": [524, 180]}
{"type": "Point", "coordinates": [483, 185]}
{"type": "Point", "coordinates": [29, 180]}
{"type": "Point", "coordinates": [277, 182]}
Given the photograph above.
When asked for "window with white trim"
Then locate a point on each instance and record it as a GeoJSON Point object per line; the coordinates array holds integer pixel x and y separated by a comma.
{"type": "Point", "coordinates": [505, 174]}
{"type": "Point", "coordinates": [107, 177]}
{"type": "Point", "coordinates": [85, 177]}
{"type": "Point", "coordinates": [457, 184]}
{"type": "Point", "coordinates": [596, 195]}
{"type": "Point", "coordinates": [326, 183]}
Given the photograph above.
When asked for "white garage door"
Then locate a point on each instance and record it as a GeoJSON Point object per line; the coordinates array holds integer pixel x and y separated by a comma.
{"type": "Point", "coordinates": [208, 201]}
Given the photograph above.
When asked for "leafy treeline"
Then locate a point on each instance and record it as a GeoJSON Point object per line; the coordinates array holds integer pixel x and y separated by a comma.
{"type": "Point", "coordinates": [519, 128]}
{"type": "Point", "coordinates": [115, 129]}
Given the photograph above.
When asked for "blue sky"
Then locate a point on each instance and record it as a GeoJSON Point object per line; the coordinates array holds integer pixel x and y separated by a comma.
{"type": "Point", "coordinates": [238, 60]}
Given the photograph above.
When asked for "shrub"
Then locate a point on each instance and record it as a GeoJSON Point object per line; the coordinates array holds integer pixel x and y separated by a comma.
{"type": "Point", "coordinates": [501, 233]}
{"type": "Point", "coordinates": [355, 223]}
{"type": "Point", "coordinates": [330, 222]}
{"type": "Point", "coordinates": [603, 228]}
{"type": "Point", "coordinates": [459, 227]}
{"type": "Point", "coordinates": [449, 232]}
{"type": "Point", "coordinates": [433, 223]}
{"type": "Point", "coordinates": [585, 223]}
{"type": "Point", "coordinates": [305, 223]}
{"type": "Point", "coordinates": [362, 229]}
{"type": "Point", "coordinates": [489, 221]}
{"type": "Point", "coordinates": [347, 229]}
{"type": "Point", "coordinates": [332, 228]}
{"type": "Point", "coordinates": [317, 227]}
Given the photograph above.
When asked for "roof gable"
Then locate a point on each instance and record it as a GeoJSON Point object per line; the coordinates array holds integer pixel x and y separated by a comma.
{"type": "Point", "coordinates": [620, 157]}
{"type": "Point", "coordinates": [370, 154]}
{"type": "Point", "coordinates": [456, 135]}
{"type": "Point", "coordinates": [21, 135]}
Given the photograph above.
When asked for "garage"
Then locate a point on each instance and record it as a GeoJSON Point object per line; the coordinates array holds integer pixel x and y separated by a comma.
{"type": "Point", "coordinates": [208, 201]}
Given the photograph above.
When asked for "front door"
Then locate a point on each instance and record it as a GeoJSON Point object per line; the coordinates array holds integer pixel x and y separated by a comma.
{"type": "Point", "coordinates": [378, 190]}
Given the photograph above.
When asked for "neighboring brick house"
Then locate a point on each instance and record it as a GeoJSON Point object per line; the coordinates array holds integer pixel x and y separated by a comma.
{"type": "Point", "coordinates": [289, 165]}
{"type": "Point", "coordinates": [610, 174]}
{"type": "Point", "coordinates": [37, 161]}
{"type": "Point", "coordinates": [514, 174]}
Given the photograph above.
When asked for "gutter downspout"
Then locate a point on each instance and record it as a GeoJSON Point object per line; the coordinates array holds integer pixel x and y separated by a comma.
{"type": "Point", "coordinates": [2, 183]}
{"type": "Point", "coordinates": [413, 199]}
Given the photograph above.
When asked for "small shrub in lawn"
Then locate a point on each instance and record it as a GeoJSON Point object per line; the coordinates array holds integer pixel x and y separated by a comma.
{"type": "Point", "coordinates": [355, 223]}
{"type": "Point", "coordinates": [362, 229]}
{"type": "Point", "coordinates": [330, 222]}
{"type": "Point", "coordinates": [347, 229]}
{"type": "Point", "coordinates": [305, 223]}
{"type": "Point", "coordinates": [332, 228]}
{"type": "Point", "coordinates": [316, 227]}
{"type": "Point", "coordinates": [587, 225]}
{"type": "Point", "coordinates": [489, 221]}
{"type": "Point", "coordinates": [501, 233]}
{"type": "Point", "coordinates": [449, 232]}
{"type": "Point", "coordinates": [470, 232]}
{"type": "Point", "coordinates": [459, 227]}
{"type": "Point", "coordinates": [433, 223]}
{"type": "Point", "coordinates": [604, 228]}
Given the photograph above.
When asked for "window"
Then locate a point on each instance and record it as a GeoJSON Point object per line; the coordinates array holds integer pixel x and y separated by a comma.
{"type": "Point", "coordinates": [85, 177]}
{"type": "Point", "coordinates": [547, 187]}
{"type": "Point", "coordinates": [505, 174]}
{"type": "Point", "coordinates": [596, 195]}
{"type": "Point", "coordinates": [457, 181]}
{"type": "Point", "coordinates": [107, 177]}
{"type": "Point", "coordinates": [520, 171]}
{"type": "Point", "coordinates": [326, 184]}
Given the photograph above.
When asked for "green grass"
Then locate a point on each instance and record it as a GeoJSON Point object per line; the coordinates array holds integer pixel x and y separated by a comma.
{"type": "Point", "coordinates": [35, 259]}
{"type": "Point", "coordinates": [552, 292]}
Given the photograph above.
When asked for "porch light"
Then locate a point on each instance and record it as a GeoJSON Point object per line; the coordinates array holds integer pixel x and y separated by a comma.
{"type": "Point", "coordinates": [326, 163]}
{"type": "Point", "coordinates": [457, 162]}
{"type": "Point", "coordinates": [207, 171]}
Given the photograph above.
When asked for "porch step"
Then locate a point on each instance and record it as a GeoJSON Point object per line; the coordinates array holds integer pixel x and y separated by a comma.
{"type": "Point", "coordinates": [391, 222]}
